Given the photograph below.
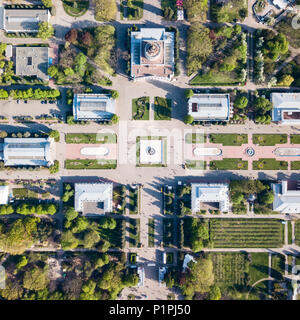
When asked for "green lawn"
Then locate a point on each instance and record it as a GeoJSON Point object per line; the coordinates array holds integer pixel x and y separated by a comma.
{"type": "Point", "coordinates": [246, 233]}
{"type": "Point", "coordinates": [134, 232]}
{"type": "Point", "coordinates": [295, 165]}
{"type": "Point", "coordinates": [134, 195]}
{"type": "Point", "coordinates": [289, 232]}
{"type": "Point", "coordinates": [295, 138]}
{"type": "Point", "coordinates": [24, 193]}
{"type": "Point", "coordinates": [229, 164]}
{"type": "Point", "coordinates": [135, 11]}
{"type": "Point", "coordinates": [168, 232]}
{"type": "Point", "coordinates": [230, 11]}
{"type": "Point", "coordinates": [195, 138]}
{"type": "Point", "coordinates": [228, 139]}
{"type": "Point", "coordinates": [269, 139]}
{"type": "Point", "coordinates": [196, 164]}
{"type": "Point", "coordinates": [75, 8]}
{"type": "Point", "coordinates": [297, 232]}
{"type": "Point", "coordinates": [278, 266]}
{"type": "Point", "coordinates": [151, 230]}
{"type": "Point", "coordinates": [259, 266]}
{"type": "Point", "coordinates": [229, 268]}
{"type": "Point", "coordinates": [90, 164]}
{"type": "Point", "coordinates": [140, 108]}
{"type": "Point", "coordinates": [269, 164]}
{"type": "Point", "coordinates": [162, 108]}
{"type": "Point", "coordinates": [215, 77]}
{"type": "Point", "coordinates": [93, 138]}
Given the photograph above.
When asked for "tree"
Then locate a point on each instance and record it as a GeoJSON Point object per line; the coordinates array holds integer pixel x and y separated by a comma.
{"type": "Point", "coordinates": [22, 263]}
{"type": "Point", "coordinates": [266, 197]}
{"type": "Point", "coordinates": [45, 30]}
{"type": "Point", "coordinates": [214, 293]}
{"type": "Point", "coordinates": [3, 134]}
{"type": "Point", "coordinates": [90, 239]}
{"type": "Point", "coordinates": [68, 240]}
{"type": "Point", "coordinates": [114, 94]}
{"type": "Point", "coordinates": [199, 278]}
{"type": "Point", "coordinates": [54, 134]}
{"type": "Point", "coordinates": [262, 105]}
{"type": "Point", "coordinates": [71, 36]}
{"type": "Point", "coordinates": [115, 119]}
{"type": "Point", "coordinates": [71, 214]}
{"type": "Point", "coordinates": [188, 93]}
{"type": "Point", "coordinates": [241, 102]}
{"type": "Point", "coordinates": [3, 94]}
{"type": "Point", "coordinates": [86, 38]}
{"type": "Point", "coordinates": [188, 119]}
{"type": "Point", "coordinates": [286, 80]}
{"type": "Point", "coordinates": [237, 198]}
{"type": "Point", "coordinates": [105, 10]}
{"type": "Point", "coordinates": [35, 279]}
{"type": "Point", "coordinates": [47, 3]}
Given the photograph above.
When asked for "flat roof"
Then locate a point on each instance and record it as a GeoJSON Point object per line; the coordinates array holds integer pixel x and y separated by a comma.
{"type": "Point", "coordinates": [32, 61]}
{"type": "Point", "coordinates": [3, 195]}
{"type": "Point", "coordinates": [24, 20]}
{"type": "Point", "coordinates": [210, 192]}
{"type": "Point", "coordinates": [286, 107]}
{"type": "Point", "coordinates": [285, 199]}
{"type": "Point", "coordinates": [27, 151]}
{"type": "Point", "coordinates": [209, 107]}
{"type": "Point", "coordinates": [88, 106]}
{"type": "Point", "coordinates": [93, 192]}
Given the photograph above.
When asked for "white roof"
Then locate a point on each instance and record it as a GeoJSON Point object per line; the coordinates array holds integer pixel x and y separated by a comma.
{"type": "Point", "coordinates": [93, 192]}
{"type": "Point", "coordinates": [210, 192]}
{"type": "Point", "coordinates": [282, 4]}
{"type": "Point", "coordinates": [3, 194]}
{"type": "Point", "coordinates": [285, 102]}
{"type": "Point", "coordinates": [285, 201]}
{"type": "Point", "coordinates": [209, 107]}
{"type": "Point", "coordinates": [187, 259]}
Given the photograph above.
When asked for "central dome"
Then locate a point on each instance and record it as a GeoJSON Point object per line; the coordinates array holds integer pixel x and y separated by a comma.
{"type": "Point", "coordinates": [152, 50]}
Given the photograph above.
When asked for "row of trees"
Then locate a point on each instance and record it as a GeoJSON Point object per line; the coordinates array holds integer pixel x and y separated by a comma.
{"type": "Point", "coordinates": [34, 94]}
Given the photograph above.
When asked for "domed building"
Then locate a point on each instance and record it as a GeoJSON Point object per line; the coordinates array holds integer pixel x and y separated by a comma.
{"type": "Point", "coordinates": [152, 54]}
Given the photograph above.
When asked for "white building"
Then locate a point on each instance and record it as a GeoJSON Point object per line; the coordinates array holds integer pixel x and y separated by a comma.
{"type": "Point", "coordinates": [3, 195]}
{"type": "Point", "coordinates": [209, 107]}
{"type": "Point", "coordinates": [99, 193]}
{"type": "Point", "coordinates": [27, 151]}
{"type": "Point", "coordinates": [286, 196]}
{"type": "Point", "coordinates": [286, 108]}
{"type": "Point", "coordinates": [281, 4]}
{"type": "Point", "coordinates": [210, 193]}
{"type": "Point", "coordinates": [187, 259]}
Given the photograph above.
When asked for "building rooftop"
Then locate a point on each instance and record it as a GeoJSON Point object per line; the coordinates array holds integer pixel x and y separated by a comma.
{"type": "Point", "coordinates": [209, 107]}
{"type": "Point", "coordinates": [152, 53]}
{"type": "Point", "coordinates": [24, 20]}
{"type": "Point", "coordinates": [27, 151]}
{"type": "Point", "coordinates": [3, 195]}
{"type": "Point", "coordinates": [100, 194]}
{"type": "Point", "coordinates": [88, 106]}
{"type": "Point", "coordinates": [210, 193]}
{"type": "Point", "coordinates": [286, 107]}
{"type": "Point", "coordinates": [286, 196]}
{"type": "Point", "coordinates": [32, 61]}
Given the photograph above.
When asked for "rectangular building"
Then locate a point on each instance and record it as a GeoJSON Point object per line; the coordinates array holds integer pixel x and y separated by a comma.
{"type": "Point", "coordinates": [286, 108]}
{"type": "Point", "coordinates": [93, 198]}
{"type": "Point", "coordinates": [32, 61]}
{"type": "Point", "coordinates": [24, 20]}
{"type": "Point", "coordinates": [210, 107]}
{"type": "Point", "coordinates": [97, 107]}
{"type": "Point", "coordinates": [213, 193]}
{"type": "Point", "coordinates": [286, 196]}
{"type": "Point", "coordinates": [28, 151]}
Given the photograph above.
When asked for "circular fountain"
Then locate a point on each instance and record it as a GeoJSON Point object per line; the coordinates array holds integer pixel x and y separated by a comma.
{"type": "Point", "coordinates": [250, 152]}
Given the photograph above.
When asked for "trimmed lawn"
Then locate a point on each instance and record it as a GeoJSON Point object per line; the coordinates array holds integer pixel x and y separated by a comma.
{"type": "Point", "coordinates": [151, 230]}
{"type": "Point", "coordinates": [195, 164]}
{"type": "Point", "coordinates": [295, 138]}
{"type": "Point", "coordinates": [134, 232]}
{"type": "Point", "coordinates": [269, 139]}
{"type": "Point", "coordinates": [230, 11]}
{"type": "Point", "coordinates": [246, 233]}
{"type": "Point", "coordinates": [140, 108]}
{"type": "Point", "coordinates": [24, 193]}
{"type": "Point", "coordinates": [228, 139]}
{"type": "Point", "coordinates": [297, 232]}
{"type": "Point", "coordinates": [90, 164]}
{"type": "Point", "coordinates": [162, 108]}
{"type": "Point", "coordinates": [289, 232]}
{"type": "Point", "coordinates": [259, 266]}
{"type": "Point", "coordinates": [215, 77]}
{"type": "Point", "coordinates": [93, 138]}
{"type": "Point", "coordinates": [295, 165]}
{"type": "Point", "coordinates": [229, 164]}
{"type": "Point", "coordinates": [134, 198]}
{"type": "Point", "coordinates": [77, 11]}
{"type": "Point", "coordinates": [135, 11]}
{"type": "Point", "coordinates": [278, 266]}
{"type": "Point", "coordinates": [194, 138]}
{"type": "Point", "coordinates": [269, 164]}
{"type": "Point", "coordinates": [168, 232]}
